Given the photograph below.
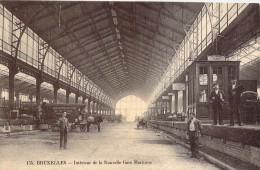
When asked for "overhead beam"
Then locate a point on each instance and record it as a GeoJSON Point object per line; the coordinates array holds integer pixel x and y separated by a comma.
{"type": "Point", "coordinates": [170, 16]}
{"type": "Point", "coordinates": [144, 54]}
{"type": "Point", "coordinates": [119, 9]}
{"type": "Point", "coordinates": [51, 14]}
{"type": "Point", "coordinates": [93, 49]}
{"type": "Point", "coordinates": [165, 54]}
{"type": "Point", "coordinates": [82, 63]}
{"type": "Point", "coordinates": [185, 7]}
{"type": "Point", "coordinates": [141, 61]}
{"type": "Point", "coordinates": [87, 38]}
{"type": "Point", "coordinates": [68, 31]}
{"type": "Point", "coordinates": [74, 21]}
{"type": "Point", "coordinates": [174, 46]}
{"type": "Point", "coordinates": [147, 28]}
{"type": "Point", "coordinates": [144, 70]}
{"type": "Point", "coordinates": [147, 56]}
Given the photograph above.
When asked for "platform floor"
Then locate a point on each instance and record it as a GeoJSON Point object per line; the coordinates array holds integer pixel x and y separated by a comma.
{"type": "Point", "coordinates": [245, 126]}
{"type": "Point", "coordinates": [120, 143]}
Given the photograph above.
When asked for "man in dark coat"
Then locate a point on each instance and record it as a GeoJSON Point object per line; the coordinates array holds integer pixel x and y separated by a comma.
{"type": "Point", "coordinates": [194, 128]}
{"type": "Point", "coordinates": [234, 92]}
{"type": "Point", "coordinates": [217, 98]}
{"type": "Point", "coordinates": [64, 129]}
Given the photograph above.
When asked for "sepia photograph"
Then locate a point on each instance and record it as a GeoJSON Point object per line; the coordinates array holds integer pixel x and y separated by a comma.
{"type": "Point", "coordinates": [129, 85]}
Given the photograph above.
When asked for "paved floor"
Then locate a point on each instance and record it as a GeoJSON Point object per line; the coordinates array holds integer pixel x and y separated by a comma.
{"type": "Point", "coordinates": [118, 146]}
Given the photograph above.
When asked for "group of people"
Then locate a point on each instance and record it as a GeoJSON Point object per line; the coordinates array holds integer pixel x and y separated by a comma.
{"type": "Point", "coordinates": [217, 97]}
{"type": "Point", "coordinates": [193, 125]}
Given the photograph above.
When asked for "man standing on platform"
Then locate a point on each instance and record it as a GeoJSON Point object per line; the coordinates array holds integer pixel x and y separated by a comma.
{"type": "Point", "coordinates": [194, 128]}
{"type": "Point", "coordinates": [64, 129]}
{"type": "Point", "coordinates": [217, 98]}
{"type": "Point", "coordinates": [234, 92]}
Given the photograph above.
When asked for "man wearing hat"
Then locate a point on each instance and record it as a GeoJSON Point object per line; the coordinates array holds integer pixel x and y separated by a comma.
{"type": "Point", "coordinates": [64, 129]}
{"type": "Point", "coordinates": [234, 92]}
{"type": "Point", "coordinates": [217, 98]}
{"type": "Point", "coordinates": [194, 128]}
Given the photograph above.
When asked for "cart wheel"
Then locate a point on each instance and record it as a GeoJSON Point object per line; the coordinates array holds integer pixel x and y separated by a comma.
{"type": "Point", "coordinates": [51, 126]}
{"type": "Point", "coordinates": [82, 128]}
{"type": "Point", "coordinates": [72, 127]}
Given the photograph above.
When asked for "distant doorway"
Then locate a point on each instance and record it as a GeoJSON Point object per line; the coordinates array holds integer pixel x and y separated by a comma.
{"type": "Point", "coordinates": [130, 107]}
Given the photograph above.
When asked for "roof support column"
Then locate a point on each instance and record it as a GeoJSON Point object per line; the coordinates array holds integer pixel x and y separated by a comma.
{"type": "Point", "coordinates": [105, 110]}
{"type": "Point", "coordinates": [83, 99]}
{"type": "Point", "coordinates": [68, 95]}
{"type": "Point", "coordinates": [17, 99]}
{"type": "Point", "coordinates": [184, 101]}
{"type": "Point", "coordinates": [93, 107]}
{"type": "Point", "coordinates": [109, 111]}
{"type": "Point", "coordinates": [176, 102]}
{"type": "Point", "coordinates": [101, 109]}
{"type": "Point", "coordinates": [31, 99]}
{"type": "Point", "coordinates": [76, 97]}
{"type": "Point", "coordinates": [170, 104]}
{"type": "Point", "coordinates": [96, 107]}
{"type": "Point", "coordinates": [112, 112]}
{"type": "Point", "coordinates": [12, 72]}
{"type": "Point", "coordinates": [156, 107]}
{"type": "Point", "coordinates": [89, 100]}
{"type": "Point", "coordinates": [55, 91]}
{"type": "Point", "coordinates": [38, 94]}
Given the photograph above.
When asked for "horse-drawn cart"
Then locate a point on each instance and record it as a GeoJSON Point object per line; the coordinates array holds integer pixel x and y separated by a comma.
{"type": "Point", "coordinates": [142, 123]}
{"type": "Point", "coordinates": [52, 112]}
{"type": "Point", "coordinates": [86, 122]}
{"type": "Point", "coordinates": [82, 126]}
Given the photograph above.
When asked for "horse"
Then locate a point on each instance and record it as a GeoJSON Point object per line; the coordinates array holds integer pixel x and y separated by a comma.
{"type": "Point", "coordinates": [142, 123]}
{"type": "Point", "coordinates": [95, 120]}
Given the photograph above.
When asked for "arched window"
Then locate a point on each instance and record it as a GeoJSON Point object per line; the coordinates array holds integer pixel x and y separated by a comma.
{"type": "Point", "coordinates": [130, 107]}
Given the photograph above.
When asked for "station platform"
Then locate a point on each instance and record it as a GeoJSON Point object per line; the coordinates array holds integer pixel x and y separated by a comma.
{"type": "Point", "coordinates": [238, 142]}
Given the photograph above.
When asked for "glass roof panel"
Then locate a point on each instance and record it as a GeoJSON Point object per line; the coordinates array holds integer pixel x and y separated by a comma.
{"type": "Point", "coordinates": [249, 52]}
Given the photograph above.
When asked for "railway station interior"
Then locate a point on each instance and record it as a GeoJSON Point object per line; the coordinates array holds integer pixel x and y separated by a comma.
{"type": "Point", "coordinates": [156, 61]}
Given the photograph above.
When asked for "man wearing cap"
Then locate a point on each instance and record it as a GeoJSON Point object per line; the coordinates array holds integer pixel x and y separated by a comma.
{"type": "Point", "coordinates": [194, 128]}
{"type": "Point", "coordinates": [234, 92]}
{"type": "Point", "coordinates": [217, 98]}
{"type": "Point", "coordinates": [64, 129]}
